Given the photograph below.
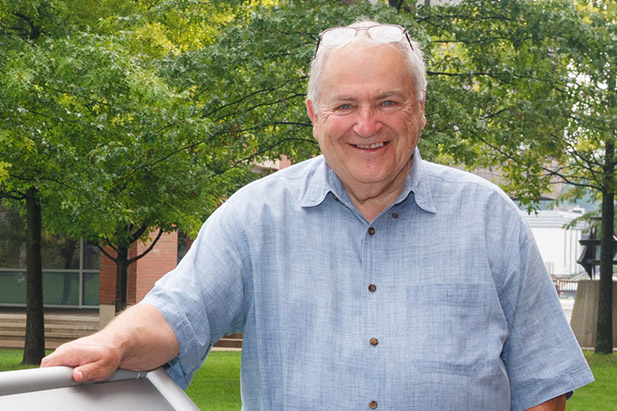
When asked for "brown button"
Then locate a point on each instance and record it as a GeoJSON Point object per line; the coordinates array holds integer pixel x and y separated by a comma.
{"type": "Point", "coordinates": [372, 288]}
{"type": "Point", "coordinates": [394, 215]}
{"type": "Point", "coordinates": [374, 341]}
{"type": "Point", "coordinates": [371, 231]}
{"type": "Point", "coordinates": [372, 405]}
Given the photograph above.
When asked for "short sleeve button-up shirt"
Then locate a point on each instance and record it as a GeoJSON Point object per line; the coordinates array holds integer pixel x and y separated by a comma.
{"type": "Point", "coordinates": [442, 302]}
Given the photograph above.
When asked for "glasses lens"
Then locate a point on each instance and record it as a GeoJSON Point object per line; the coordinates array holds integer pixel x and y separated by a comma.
{"type": "Point", "coordinates": [385, 33]}
{"type": "Point", "coordinates": [337, 35]}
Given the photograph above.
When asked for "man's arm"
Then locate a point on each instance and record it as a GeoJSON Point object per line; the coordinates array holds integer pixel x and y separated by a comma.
{"type": "Point", "coordinates": [556, 404]}
{"type": "Point", "coordinates": [139, 339]}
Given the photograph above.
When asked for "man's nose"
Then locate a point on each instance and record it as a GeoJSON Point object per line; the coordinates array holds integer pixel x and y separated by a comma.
{"type": "Point", "coordinates": [367, 122]}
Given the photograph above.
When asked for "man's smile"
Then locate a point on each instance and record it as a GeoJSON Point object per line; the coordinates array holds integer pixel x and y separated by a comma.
{"type": "Point", "coordinates": [371, 146]}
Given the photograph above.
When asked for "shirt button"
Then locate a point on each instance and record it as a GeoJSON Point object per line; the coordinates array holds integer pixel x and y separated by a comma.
{"type": "Point", "coordinates": [371, 231]}
{"type": "Point", "coordinates": [372, 288]}
{"type": "Point", "coordinates": [374, 341]}
{"type": "Point", "coordinates": [394, 215]}
{"type": "Point", "coordinates": [372, 405]}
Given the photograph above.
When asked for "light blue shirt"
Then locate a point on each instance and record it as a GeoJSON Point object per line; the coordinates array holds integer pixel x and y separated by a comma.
{"type": "Point", "coordinates": [441, 303]}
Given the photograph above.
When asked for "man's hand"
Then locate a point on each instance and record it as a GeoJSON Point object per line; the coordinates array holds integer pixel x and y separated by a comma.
{"type": "Point", "coordinates": [139, 339]}
{"type": "Point", "coordinates": [556, 404]}
{"type": "Point", "coordinates": [94, 357]}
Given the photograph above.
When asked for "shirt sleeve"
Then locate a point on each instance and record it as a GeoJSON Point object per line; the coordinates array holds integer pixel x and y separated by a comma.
{"type": "Point", "coordinates": [203, 297]}
{"type": "Point", "coordinates": [541, 354]}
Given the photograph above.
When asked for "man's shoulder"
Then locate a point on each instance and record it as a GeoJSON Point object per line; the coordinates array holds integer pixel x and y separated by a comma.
{"type": "Point", "coordinates": [447, 181]}
{"type": "Point", "coordinates": [438, 173]}
{"type": "Point", "coordinates": [289, 182]}
{"type": "Point", "coordinates": [451, 174]}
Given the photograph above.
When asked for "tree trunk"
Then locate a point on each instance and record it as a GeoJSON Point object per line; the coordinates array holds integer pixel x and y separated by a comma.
{"type": "Point", "coordinates": [34, 346]}
{"type": "Point", "coordinates": [604, 330]}
{"type": "Point", "coordinates": [122, 274]}
{"type": "Point", "coordinates": [397, 4]}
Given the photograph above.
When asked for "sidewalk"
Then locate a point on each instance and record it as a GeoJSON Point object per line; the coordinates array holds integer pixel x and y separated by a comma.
{"type": "Point", "coordinates": [567, 304]}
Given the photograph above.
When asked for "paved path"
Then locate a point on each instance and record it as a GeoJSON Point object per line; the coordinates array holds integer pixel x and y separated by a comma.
{"type": "Point", "coordinates": [567, 304]}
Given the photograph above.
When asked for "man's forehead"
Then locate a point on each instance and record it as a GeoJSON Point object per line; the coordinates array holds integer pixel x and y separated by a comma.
{"type": "Point", "coordinates": [346, 95]}
{"type": "Point", "coordinates": [359, 48]}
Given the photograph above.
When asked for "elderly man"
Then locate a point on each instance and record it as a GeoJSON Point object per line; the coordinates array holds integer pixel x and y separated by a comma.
{"type": "Point", "coordinates": [364, 278]}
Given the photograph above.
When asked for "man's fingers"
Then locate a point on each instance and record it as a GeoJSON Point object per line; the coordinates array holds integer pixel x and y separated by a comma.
{"type": "Point", "coordinates": [93, 358]}
{"type": "Point", "coordinates": [82, 371]}
{"type": "Point", "coordinates": [56, 358]}
{"type": "Point", "coordinates": [78, 375]}
{"type": "Point", "coordinates": [92, 372]}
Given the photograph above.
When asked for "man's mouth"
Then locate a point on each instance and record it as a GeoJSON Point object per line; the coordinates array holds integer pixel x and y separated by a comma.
{"type": "Point", "coordinates": [370, 146]}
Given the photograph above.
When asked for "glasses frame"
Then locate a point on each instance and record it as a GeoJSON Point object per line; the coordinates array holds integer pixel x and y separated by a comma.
{"type": "Point", "coordinates": [357, 29]}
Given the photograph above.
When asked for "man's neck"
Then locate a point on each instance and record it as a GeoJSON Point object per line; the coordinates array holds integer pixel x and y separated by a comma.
{"type": "Point", "coordinates": [371, 199]}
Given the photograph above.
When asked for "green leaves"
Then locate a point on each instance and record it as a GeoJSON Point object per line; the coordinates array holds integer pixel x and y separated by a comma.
{"type": "Point", "coordinates": [508, 89]}
{"type": "Point", "coordinates": [132, 113]}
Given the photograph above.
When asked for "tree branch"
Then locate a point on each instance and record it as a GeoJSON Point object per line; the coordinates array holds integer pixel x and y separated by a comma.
{"type": "Point", "coordinates": [266, 104]}
{"type": "Point", "coordinates": [137, 234]}
{"type": "Point", "coordinates": [12, 196]}
{"type": "Point", "coordinates": [567, 179]}
{"type": "Point", "coordinates": [252, 94]}
{"type": "Point", "coordinates": [158, 236]}
{"type": "Point", "coordinates": [115, 260]}
{"type": "Point", "coordinates": [35, 31]}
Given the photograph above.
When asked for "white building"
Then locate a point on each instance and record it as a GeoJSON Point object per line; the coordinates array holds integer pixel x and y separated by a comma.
{"type": "Point", "coordinates": [558, 245]}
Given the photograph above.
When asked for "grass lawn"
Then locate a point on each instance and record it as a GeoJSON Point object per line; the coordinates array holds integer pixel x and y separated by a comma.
{"type": "Point", "coordinates": [216, 385]}
{"type": "Point", "coordinates": [600, 395]}
{"type": "Point", "coordinates": [11, 360]}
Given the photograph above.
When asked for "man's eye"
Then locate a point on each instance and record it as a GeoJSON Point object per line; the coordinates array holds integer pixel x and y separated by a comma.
{"type": "Point", "coordinates": [344, 107]}
{"type": "Point", "coordinates": [388, 103]}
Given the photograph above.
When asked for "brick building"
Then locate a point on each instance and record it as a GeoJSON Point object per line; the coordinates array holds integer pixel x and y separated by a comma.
{"type": "Point", "coordinates": [77, 275]}
{"type": "Point", "coordinates": [142, 274]}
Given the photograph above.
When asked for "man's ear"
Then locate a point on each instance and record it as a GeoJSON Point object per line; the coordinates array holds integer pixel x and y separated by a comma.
{"type": "Point", "coordinates": [422, 107]}
{"type": "Point", "coordinates": [311, 112]}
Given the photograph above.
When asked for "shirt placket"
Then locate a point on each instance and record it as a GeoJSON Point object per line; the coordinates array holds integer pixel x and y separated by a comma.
{"type": "Point", "coordinates": [375, 333]}
{"type": "Point", "coordinates": [373, 337]}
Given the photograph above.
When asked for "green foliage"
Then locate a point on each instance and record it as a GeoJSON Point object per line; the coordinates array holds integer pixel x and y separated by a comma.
{"type": "Point", "coordinates": [148, 113]}
{"type": "Point", "coordinates": [496, 87]}
{"type": "Point", "coordinates": [90, 117]}
{"type": "Point", "coordinates": [530, 83]}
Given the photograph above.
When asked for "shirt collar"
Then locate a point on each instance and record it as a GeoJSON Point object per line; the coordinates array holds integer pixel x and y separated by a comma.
{"type": "Point", "coordinates": [321, 182]}
{"type": "Point", "coordinates": [417, 182]}
{"type": "Point", "coordinates": [324, 181]}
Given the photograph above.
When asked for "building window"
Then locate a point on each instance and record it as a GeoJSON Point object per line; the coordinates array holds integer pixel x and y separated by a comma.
{"type": "Point", "coordinates": [70, 268]}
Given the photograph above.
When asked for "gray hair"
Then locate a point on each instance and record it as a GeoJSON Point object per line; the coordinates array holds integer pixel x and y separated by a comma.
{"type": "Point", "coordinates": [413, 57]}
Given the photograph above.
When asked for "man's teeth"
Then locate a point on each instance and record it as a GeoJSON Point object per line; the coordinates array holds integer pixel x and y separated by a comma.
{"type": "Point", "coordinates": [369, 146]}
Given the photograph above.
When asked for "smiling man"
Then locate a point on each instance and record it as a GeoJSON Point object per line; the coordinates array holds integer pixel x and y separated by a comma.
{"type": "Point", "coordinates": [365, 278]}
{"type": "Point", "coordinates": [369, 122]}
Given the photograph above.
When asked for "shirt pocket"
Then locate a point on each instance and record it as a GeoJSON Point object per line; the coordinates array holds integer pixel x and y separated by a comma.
{"type": "Point", "coordinates": [448, 327]}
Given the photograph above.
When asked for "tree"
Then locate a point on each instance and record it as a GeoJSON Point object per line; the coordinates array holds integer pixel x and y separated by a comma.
{"type": "Point", "coordinates": [541, 77]}
{"type": "Point", "coordinates": [124, 150]}
{"type": "Point", "coordinates": [24, 163]}
{"type": "Point", "coordinates": [80, 117]}
{"type": "Point", "coordinates": [590, 141]}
